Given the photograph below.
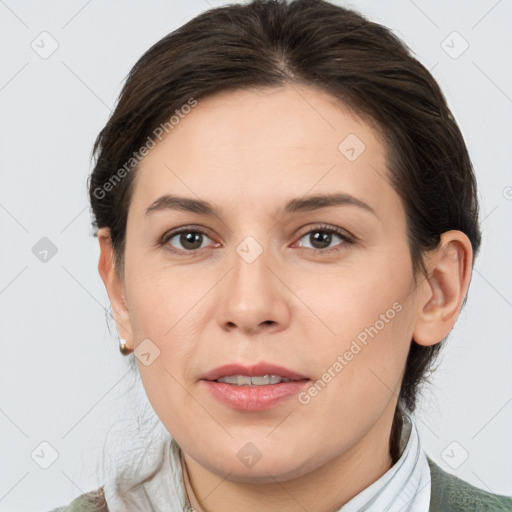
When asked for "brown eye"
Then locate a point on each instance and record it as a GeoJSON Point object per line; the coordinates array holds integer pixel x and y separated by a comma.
{"type": "Point", "coordinates": [186, 240]}
{"type": "Point", "coordinates": [322, 238]}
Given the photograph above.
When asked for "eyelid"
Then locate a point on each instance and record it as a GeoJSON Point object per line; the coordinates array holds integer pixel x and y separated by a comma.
{"type": "Point", "coordinates": [343, 233]}
{"type": "Point", "coordinates": [345, 236]}
{"type": "Point", "coordinates": [177, 231]}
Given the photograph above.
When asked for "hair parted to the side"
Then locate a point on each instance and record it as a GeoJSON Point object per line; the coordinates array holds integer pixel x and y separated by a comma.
{"type": "Point", "coordinates": [269, 43]}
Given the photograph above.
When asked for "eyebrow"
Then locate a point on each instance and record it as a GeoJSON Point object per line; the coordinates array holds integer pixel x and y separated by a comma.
{"type": "Point", "coordinates": [301, 204]}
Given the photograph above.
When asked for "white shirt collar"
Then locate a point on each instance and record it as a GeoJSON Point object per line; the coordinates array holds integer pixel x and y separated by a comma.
{"type": "Point", "coordinates": [405, 487]}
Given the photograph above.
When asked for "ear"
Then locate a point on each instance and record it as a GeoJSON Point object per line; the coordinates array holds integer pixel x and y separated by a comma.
{"type": "Point", "coordinates": [115, 287]}
{"type": "Point", "coordinates": [441, 295]}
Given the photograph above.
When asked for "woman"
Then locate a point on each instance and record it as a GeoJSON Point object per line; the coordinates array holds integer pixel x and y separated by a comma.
{"type": "Point", "coordinates": [287, 218]}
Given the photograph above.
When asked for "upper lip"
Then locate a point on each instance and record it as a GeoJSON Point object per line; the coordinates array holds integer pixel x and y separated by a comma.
{"type": "Point", "coordinates": [252, 371]}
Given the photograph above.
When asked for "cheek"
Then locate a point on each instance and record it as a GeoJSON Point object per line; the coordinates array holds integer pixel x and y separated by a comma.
{"type": "Point", "coordinates": [369, 315]}
{"type": "Point", "coordinates": [164, 314]}
{"type": "Point", "coordinates": [163, 301]}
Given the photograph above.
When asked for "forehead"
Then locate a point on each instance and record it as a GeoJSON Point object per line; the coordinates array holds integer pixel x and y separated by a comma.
{"type": "Point", "coordinates": [260, 147]}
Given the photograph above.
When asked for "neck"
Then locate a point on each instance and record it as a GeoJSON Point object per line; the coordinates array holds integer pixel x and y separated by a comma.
{"type": "Point", "coordinates": [327, 488]}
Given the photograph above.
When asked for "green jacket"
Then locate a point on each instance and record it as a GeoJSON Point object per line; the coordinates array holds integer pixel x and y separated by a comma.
{"type": "Point", "coordinates": [448, 494]}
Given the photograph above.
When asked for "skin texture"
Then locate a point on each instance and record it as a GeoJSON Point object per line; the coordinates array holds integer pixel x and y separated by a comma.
{"type": "Point", "coordinates": [247, 153]}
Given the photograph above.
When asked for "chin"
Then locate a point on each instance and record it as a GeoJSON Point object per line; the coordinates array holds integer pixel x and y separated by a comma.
{"type": "Point", "coordinates": [266, 470]}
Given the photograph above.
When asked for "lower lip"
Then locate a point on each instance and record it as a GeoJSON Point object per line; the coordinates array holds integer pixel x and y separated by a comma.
{"type": "Point", "coordinates": [254, 398]}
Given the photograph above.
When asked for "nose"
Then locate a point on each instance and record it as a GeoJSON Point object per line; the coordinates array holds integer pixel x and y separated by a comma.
{"type": "Point", "coordinates": [253, 298]}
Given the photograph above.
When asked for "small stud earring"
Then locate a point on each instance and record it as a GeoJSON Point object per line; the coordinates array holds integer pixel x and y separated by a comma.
{"type": "Point", "coordinates": [123, 348]}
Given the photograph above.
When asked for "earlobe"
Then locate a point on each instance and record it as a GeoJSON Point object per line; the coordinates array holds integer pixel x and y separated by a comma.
{"type": "Point", "coordinates": [115, 287]}
{"type": "Point", "coordinates": [441, 295]}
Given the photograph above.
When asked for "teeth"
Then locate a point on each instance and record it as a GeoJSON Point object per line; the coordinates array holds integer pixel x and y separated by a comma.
{"type": "Point", "coordinates": [245, 380]}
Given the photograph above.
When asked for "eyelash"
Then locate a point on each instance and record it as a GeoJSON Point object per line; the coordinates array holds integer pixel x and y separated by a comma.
{"type": "Point", "coordinates": [343, 235]}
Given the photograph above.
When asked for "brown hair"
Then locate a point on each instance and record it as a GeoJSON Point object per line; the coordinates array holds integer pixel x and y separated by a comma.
{"type": "Point", "coordinates": [268, 43]}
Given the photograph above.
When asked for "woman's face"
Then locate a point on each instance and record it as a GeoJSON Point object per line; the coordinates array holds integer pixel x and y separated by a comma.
{"type": "Point", "coordinates": [298, 266]}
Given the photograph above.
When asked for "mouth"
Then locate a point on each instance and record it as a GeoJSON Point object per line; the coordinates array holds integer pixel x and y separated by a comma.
{"type": "Point", "coordinates": [246, 380]}
{"type": "Point", "coordinates": [253, 388]}
{"type": "Point", "coordinates": [257, 375]}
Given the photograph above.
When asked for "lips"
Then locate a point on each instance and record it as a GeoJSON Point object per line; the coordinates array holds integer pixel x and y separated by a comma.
{"type": "Point", "coordinates": [245, 380]}
{"type": "Point", "coordinates": [258, 370]}
{"type": "Point", "coordinates": [253, 387]}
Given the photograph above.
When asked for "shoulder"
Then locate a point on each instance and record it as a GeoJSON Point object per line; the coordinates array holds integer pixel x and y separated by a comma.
{"type": "Point", "coordinates": [93, 501]}
{"type": "Point", "coordinates": [451, 494]}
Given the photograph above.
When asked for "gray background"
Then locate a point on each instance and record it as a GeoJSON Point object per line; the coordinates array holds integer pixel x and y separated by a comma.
{"type": "Point", "coordinates": [63, 381]}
